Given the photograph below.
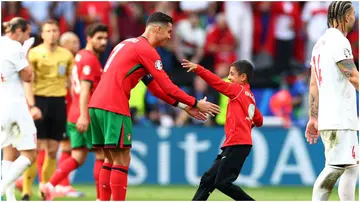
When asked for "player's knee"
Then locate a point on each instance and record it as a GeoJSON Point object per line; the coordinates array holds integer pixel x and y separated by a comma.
{"type": "Point", "coordinates": [79, 155]}
{"type": "Point", "coordinates": [221, 183]}
{"type": "Point", "coordinates": [30, 154]}
{"type": "Point", "coordinates": [206, 179]}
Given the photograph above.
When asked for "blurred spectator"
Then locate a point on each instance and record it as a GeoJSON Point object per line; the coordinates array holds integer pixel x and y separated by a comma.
{"type": "Point", "coordinates": [64, 13]}
{"type": "Point", "coordinates": [287, 27]}
{"type": "Point", "coordinates": [189, 40]}
{"type": "Point", "coordinates": [314, 17]}
{"type": "Point", "coordinates": [194, 6]}
{"type": "Point", "coordinates": [11, 9]}
{"type": "Point", "coordinates": [70, 41]}
{"type": "Point", "coordinates": [354, 35]}
{"type": "Point", "coordinates": [221, 44]}
{"type": "Point", "coordinates": [240, 20]}
{"type": "Point", "coordinates": [100, 11]}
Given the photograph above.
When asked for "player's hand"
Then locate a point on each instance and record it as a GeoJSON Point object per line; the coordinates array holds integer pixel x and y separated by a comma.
{"type": "Point", "coordinates": [207, 107]}
{"type": "Point", "coordinates": [35, 113]}
{"type": "Point", "coordinates": [188, 65]}
{"type": "Point", "coordinates": [82, 124]}
{"type": "Point", "coordinates": [193, 112]}
{"type": "Point", "coordinates": [311, 132]}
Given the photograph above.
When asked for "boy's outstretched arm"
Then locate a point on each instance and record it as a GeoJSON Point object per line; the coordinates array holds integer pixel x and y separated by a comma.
{"type": "Point", "coordinates": [155, 90]}
{"type": "Point", "coordinates": [228, 89]}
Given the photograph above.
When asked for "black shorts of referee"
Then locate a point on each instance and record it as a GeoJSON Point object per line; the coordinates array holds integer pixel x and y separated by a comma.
{"type": "Point", "coordinates": [52, 125]}
{"type": "Point", "coordinates": [224, 171]}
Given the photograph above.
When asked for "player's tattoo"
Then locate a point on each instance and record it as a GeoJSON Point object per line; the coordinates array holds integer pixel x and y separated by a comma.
{"type": "Point", "coordinates": [346, 67]}
{"type": "Point", "coordinates": [314, 106]}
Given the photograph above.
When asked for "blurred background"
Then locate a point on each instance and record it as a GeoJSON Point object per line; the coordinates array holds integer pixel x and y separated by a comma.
{"type": "Point", "coordinates": [170, 148]}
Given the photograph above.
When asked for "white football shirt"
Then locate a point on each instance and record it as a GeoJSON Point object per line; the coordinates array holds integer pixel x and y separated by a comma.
{"type": "Point", "coordinates": [12, 61]}
{"type": "Point", "coordinates": [337, 96]}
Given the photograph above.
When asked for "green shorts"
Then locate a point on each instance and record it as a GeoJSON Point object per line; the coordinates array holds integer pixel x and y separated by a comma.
{"type": "Point", "coordinates": [78, 139]}
{"type": "Point", "coordinates": [109, 129]}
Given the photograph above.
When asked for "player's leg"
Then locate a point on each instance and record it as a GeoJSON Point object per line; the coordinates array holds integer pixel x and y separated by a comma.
{"type": "Point", "coordinates": [98, 141]}
{"type": "Point", "coordinates": [65, 154]}
{"type": "Point", "coordinates": [347, 183]}
{"type": "Point", "coordinates": [99, 161]}
{"type": "Point", "coordinates": [338, 152]}
{"type": "Point", "coordinates": [118, 138]}
{"type": "Point", "coordinates": [206, 186]}
{"type": "Point", "coordinates": [9, 156]}
{"type": "Point", "coordinates": [229, 169]}
{"type": "Point", "coordinates": [25, 142]}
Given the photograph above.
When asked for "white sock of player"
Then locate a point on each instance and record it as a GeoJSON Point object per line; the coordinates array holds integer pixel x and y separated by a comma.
{"type": "Point", "coordinates": [10, 191]}
{"type": "Point", "coordinates": [16, 169]}
{"type": "Point", "coordinates": [325, 182]}
{"type": "Point", "coordinates": [347, 184]}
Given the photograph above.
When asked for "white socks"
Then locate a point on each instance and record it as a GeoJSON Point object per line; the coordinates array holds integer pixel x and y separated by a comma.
{"type": "Point", "coordinates": [16, 169]}
{"type": "Point", "coordinates": [10, 191]}
{"type": "Point", "coordinates": [325, 182]}
{"type": "Point", "coordinates": [347, 184]}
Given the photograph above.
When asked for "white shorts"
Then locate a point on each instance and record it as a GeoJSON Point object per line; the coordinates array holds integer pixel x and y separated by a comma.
{"type": "Point", "coordinates": [17, 127]}
{"type": "Point", "coordinates": [341, 146]}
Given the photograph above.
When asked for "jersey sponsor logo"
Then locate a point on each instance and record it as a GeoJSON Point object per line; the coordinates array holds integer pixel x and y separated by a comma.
{"type": "Point", "coordinates": [61, 69]}
{"type": "Point", "coordinates": [129, 136]}
{"type": "Point", "coordinates": [86, 70]}
{"type": "Point", "coordinates": [347, 53]}
{"type": "Point", "coordinates": [158, 65]}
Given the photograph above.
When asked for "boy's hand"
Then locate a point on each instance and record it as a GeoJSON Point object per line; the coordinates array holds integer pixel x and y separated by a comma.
{"type": "Point", "coordinates": [188, 65]}
{"type": "Point", "coordinates": [208, 107]}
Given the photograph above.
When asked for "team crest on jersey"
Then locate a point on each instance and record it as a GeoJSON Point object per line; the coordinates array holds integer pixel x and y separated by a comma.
{"type": "Point", "coordinates": [158, 65]}
{"type": "Point", "coordinates": [347, 53]}
{"type": "Point", "coordinates": [61, 69]}
{"type": "Point", "coordinates": [86, 70]}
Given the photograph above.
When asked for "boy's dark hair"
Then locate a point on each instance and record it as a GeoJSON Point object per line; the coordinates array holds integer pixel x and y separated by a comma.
{"type": "Point", "coordinates": [92, 29]}
{"type": "Point", "coordinates": [49, 22]}
{"type": "Point", "coordinates": [15, 23]}
{"type": "Point", "coordinates": [244, 66]}
{"type": "Point", "coordinates": [337, 11]}
{"type": "Point", "coordinates": [159, 17]}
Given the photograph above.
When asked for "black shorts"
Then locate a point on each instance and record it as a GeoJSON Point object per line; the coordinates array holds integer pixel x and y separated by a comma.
{"type": "Point", "coordinates": [53, 122]}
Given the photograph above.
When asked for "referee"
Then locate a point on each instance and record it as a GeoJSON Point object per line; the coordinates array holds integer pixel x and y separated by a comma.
{"type": "Point", "coordinates": [52, 66]}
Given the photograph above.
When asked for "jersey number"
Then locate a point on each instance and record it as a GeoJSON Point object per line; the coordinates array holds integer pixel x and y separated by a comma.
{"type": "Point", "coordinates": [116, 50]}
{"type": "Point", "coordinates": [75, 80]}
{"type": "Point", "coordinates": [2, 78]}
{"type": "Point", "coordinates": [317, 69]}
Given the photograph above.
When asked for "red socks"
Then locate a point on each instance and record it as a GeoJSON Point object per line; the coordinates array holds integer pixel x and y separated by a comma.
{"type": "Point", "coordinates": [118, 182]}
{"type": "Point", "coordinates": [40, 162]}
{"type": "Point", "coordinates": [64, 155]}
{"type": "Point", "coordinates": [104, 182]}
{"type": "Point", "coordinates": [97, 168]}
{"type": "Point", "coordinates": [63, 171]}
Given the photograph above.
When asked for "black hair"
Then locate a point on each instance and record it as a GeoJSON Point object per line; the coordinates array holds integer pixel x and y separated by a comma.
{"type": "Point", "coordinates": [337, 11]}
{"type": "Point", "coordinates": [15, 23]}
{"type": "Point", "coordinates": [159, 17]}
{"type": "Point", "coordinates": [244, 66]}
{"type": "Point", "coordinates": [92, 29]}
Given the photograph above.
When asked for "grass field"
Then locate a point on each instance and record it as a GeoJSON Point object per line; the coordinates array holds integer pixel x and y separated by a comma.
{"type": "Point", "coordinates": [185, 193]}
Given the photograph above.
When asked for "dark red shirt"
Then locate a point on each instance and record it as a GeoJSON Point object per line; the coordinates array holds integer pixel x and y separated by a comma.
{"type": "Point", "coordinates": [128, 63]}
{"type": "Point", "coordinates": [241, 111]}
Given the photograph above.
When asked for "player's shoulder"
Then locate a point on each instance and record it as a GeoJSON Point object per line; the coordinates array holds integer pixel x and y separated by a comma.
{"type": "Point", "coordinates": [9, 45]}
{"type": "Point", "coordinates": [64, 51]}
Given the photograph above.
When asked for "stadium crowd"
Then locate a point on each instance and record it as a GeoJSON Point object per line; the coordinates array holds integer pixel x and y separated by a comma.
{"type": "Point", "coordinates": [276, 36]}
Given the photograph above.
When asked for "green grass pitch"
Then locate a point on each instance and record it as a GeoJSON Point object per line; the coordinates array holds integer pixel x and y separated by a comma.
{"type": "Point", "coordinates": [185, 193]}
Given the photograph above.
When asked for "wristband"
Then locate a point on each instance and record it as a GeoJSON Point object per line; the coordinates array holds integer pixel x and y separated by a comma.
{"type": "Point", "coordinates": [181, 105]}
{"type": "Point", "coordinates": [195, 105]}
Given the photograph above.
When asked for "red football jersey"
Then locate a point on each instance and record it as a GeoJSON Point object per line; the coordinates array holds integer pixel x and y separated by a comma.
{"type": "Point", "coordinates": [128, 63]}
{"type": "Point", "coordinates": [241, 111]}
{"type": "Point", "coordinates": [87, 67]}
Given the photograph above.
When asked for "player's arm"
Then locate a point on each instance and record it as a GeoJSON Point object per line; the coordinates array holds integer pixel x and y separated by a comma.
{"type": "Point", "coordinates": [152, 63]}
{"type": "Point", "coordinates": [28, 85]}
{"type": "Point", "coordinates": [82, 123]}
{"type": "Point", "coordinates": [313, 96]}
{"type": "Point", "coordinates": [228, 89]}
{"type": "Point", "coordinates": [69, 71]}
{"type": "Point", "coordinates": [258, 118]}
{"type": "Point", "coordinates": [348, 68]}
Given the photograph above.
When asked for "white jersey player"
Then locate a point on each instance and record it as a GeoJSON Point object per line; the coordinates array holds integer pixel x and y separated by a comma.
{"type": "Point", "coordinates": [17, 129]}
{"type": "Point", "coordinates": [333, 112]}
